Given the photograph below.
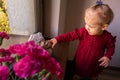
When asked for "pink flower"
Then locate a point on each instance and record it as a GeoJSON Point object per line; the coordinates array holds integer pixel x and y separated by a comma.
{"type": "Point", "coordinates": [7, 59]}
{"type": "Point", "coordinates": [17, 49]}
{"type": "Point", "coordinates": [4, 35]}
{"type": "Point", "coordinates": [4, 72]}
{"type": "Point", "coordinates": [27, 67]}
{"type": "Point", "coordinates": [23, 49]}
{"type": "Point", "coordinates": [53, 66]}
{"type": "Point", "coordinates": [6, 56]}
{"type": "Point", "coordinates": [4, 52]}
{"type": "Point", "coordinates": [33, 54]}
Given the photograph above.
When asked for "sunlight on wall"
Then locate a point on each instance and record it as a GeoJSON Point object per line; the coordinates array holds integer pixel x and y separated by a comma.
{"type": "Point", "coordinates": [21, 15]}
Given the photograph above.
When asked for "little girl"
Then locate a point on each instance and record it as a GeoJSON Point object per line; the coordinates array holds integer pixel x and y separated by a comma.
{"type": "Point", "coordinates": [96, 44]}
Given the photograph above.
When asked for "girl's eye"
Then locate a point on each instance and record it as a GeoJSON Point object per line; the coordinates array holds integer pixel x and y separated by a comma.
{"type": "Point", "coordinates": [90, 26]}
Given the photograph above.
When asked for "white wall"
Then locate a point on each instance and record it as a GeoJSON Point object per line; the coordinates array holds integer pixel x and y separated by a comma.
{"type": "Point", "coordinates": [21, 15]}
{"type": "Point", "coordinates": [114, 28]}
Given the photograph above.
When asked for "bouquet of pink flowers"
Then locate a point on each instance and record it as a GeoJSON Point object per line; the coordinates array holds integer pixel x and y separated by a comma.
{"type": "Point", "coordinates": [27, 61]}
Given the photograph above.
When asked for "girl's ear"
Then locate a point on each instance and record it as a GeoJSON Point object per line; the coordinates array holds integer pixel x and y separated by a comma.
{"type": "Point", "coordinates": [104, 26]}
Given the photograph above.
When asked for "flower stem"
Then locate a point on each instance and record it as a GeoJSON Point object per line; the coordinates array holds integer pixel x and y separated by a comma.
{"type": "Point", "coordinates": [1, 40]}
{"type": "Point", "coordinates": [48, 75]}
{"type": "Point", "coordinates": [42, 72]}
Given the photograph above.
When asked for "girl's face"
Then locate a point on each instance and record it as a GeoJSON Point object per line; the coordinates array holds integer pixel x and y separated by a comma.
{"type": "Point", "coordinates": [93, 25]}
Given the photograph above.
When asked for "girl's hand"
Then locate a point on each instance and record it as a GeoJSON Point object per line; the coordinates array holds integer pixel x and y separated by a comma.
{"type": "Point", "coordinates": [52, 41]}
{"type": "Point", "coordinates": [104, 61]}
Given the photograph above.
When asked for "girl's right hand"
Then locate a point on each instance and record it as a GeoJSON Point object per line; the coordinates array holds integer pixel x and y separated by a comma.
{"type": "Point", "coordinates": [53, 41]}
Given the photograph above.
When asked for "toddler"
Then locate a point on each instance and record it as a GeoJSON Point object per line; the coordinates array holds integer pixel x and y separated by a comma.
{"type": "Point", "coordinates": [96, 44]}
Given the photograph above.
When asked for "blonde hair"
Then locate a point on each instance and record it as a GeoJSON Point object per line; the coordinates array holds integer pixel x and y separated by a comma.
{"type": "Point", "coordinates": [103, 11]}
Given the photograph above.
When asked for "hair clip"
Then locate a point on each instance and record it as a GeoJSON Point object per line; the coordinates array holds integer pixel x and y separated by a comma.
{"type": "Point", "coordinates": [99, 2]}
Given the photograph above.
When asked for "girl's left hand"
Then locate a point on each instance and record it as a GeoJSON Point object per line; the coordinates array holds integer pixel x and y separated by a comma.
{"type": "Point", "coordinates": [104, 61]}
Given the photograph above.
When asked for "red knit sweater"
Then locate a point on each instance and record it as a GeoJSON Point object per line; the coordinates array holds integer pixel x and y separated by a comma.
{"type": "Point", "coordinates": [90, 50]}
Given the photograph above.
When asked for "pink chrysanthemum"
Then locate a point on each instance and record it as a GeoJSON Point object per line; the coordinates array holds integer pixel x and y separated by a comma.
{"type": "Point", "coordinates": [4, 72]}
{"type": "Point", "coordinates": [27, 67]}
{"type": "Point", "coordinates": [7, 59]}
{"type": "Point", "coordinates": [53, 66]}
{"type": "Point", "coordinates": [33, 54]}
{"type": "Point", "coordinates": [4, 35]}
{"type": "Point", "coordinates": [4, 52]}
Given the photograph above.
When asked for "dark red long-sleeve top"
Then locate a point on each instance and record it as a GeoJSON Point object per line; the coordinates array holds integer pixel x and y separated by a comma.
{"type": "Point", "coordinates": [90, 49]}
